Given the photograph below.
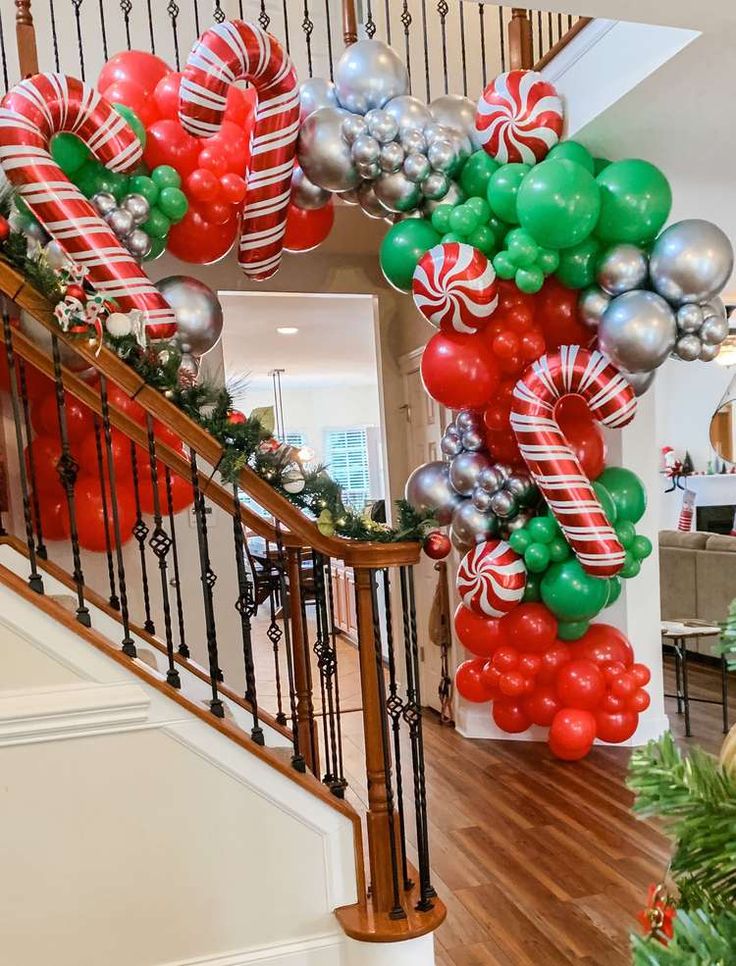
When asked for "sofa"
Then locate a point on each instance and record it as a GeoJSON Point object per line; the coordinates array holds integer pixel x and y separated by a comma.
{"type": "Point", "coordinates": [697, 578]}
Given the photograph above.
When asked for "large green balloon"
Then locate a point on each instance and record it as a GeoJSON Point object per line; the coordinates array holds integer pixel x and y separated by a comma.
{"type": "Point", "coordinates": [571, 594]}
{"type": "Point", "coordinates": [93, 177]}
{"type": "Point", "coordinates": [606, 501]}
{"type": "Point", "coordinates": [503, 189]}
{"type": "Point", "coordinates": [133, 120]}
{"type": "Point", "coordinates": [627, 492]}
{"type": "Point", "coordinates": [635, 201]}
{"type": "Point", "coordinates": [558, 203]}
{"type": "Point", "coordinates": [478, 170]}
{"type": "Point", "coordinates": [69, 152]}
{"type": "Point", "coordinates": [402, 247]}
{"type": "Point", "coordinates": [578, 264]}
{"type": "Point", "coordinates": [573, 151]}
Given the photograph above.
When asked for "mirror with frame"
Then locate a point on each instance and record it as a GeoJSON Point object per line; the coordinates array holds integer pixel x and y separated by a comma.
{"type": "Point", "coordinates": [723, 431]}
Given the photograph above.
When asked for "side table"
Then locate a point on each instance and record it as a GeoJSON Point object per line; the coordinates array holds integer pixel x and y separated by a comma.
{"type": "Point", "coordinates": [676, 634]}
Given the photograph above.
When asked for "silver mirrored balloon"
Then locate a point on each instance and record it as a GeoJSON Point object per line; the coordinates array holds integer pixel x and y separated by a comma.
{"type": "Point", "coordinates": [138, 206]}
{"type": "Point", "coordinates": [40, 336]}
{"type": "Point", "coordinates": [622, 268]}
{"type": "Point", "coordinates": [515, 523]}
{"type": "Point", "coordinates": [369, 74]}
{"type": "Point", "coordinates": [465, 469]}
{"type": "Point", "coordinates": [188, 371]}
{"type": "Point", "coordinates": [714, 306]}
{"type": "Point", "coordinates": [417, 167]}
{"type": "Point", "coordinates": [689, 317]}
{"type": "Point", "coordinates": [435, 186]}
{"type": "Point", "coordinates": [381, 125]}
{"type": "Point", "coordinates": [504, 470]}
{"type": "Point", "coordinates": [473, 440]}
{"type": "Point", "coordinates": [458, 113]}
{"type": "Point", "coordinates": [451, 445]}
{"type": "Point", "coordinates": [442, 156]}
{"type": "Point", "coordinates": [305, 193]}
{"type": "Point", "coordinates": [413, 141]}
{"type": "Point", "coordinates": [197, 309]}
{"type": "Point", "coordinates": [392, 157]}
{"type": "Point", "coordinates": [138, 243]}
{"type": "Point", "coordinates": [429, 489]}
{"type": "Point", "coordinates": [396, 192]}
{"type": "Point", "coordinates": [369, 172]}
{"type": "Point", "coordinates": [637, 331]}
{"type": "Point", "coordinates": [713, 330]}
{"type": "Point", "coordinates": [350, 197]}
{"type": "Point", "coordinates": [466, 419]}
{"type": "Point", "coordinates": [691, 261]}
{"type": "Point", "coordinates": [481, 500]}
{"type": "Point", "coordinates": [521, 486]}
{"type": "Point", "coordinates": [104, 202]}
{"type": "Point", "coordinates": [640, 382]}
{"type": "Point", "coordinates": [592, 303]}
{"type": "Point", "coordinates": [490, 479]}
{"type": "Point", "coordinates": [121, 222]}
{"type": "Point", "coordinates": [504, 504]}
{"type": "Point", "coordinates": [369, 202]}
{"type": "Point", "coordinates": [409, 112]}
{"type": "Point", "coordinates": [453, 196]}
{"type": "Point", "coordinates": [365, 150]}
{"type": "Point", "coordinates": [323, 153]}
{"type": "Point", "coordinates": [709, 352]}
{"type": "Point", "coordinates": [471, 526]}
{"type": "Point", "coordinates": [313, 94]}
{"type": "Point", "coordinates": [353, 126]}
{"type": "Point", "coordinates": [687, 348]}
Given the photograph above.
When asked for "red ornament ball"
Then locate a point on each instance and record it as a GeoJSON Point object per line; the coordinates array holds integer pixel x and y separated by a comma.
{"type": "Point", "coordinates": [437, 545]}
{"type": "Point", "coordinates": [4, 229]}
{"type": "Point", "coordinates": [236, 418]}
{"type": "Point", "coordinates": [75, 291]}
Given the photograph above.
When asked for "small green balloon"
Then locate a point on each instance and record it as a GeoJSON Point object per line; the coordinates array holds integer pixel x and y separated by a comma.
{"type": "Point", "coordinates": [572, 630]}
{"type": "Point", "coordinates": [522, 248]}
{"type": "Point", "coordinates": [157, 225]}
{"type": "Point", "coordinates": [519, 540]}
{"type": "Point", "coordinates": [558, 203]}
{"type": "Point", "coordinates": [481, 207]}
{"type": "Point", "coordinates": [529, 280]}
{"type": "Point", "coordinates": [478, 170]}
{"type": "Point", "coordinates": [503, 189]}
{"type": "Point", "coordinates": [441, 218]}
{"type": "Point", "coordinates": [599, 164]}
{"type": "Point", "coordinates": [133, 120]}
{"type": "Point", "coordinates": [402, 247]}
{"type": "Point", "coordinates": [499, 228]}
{"type": "Point", "coordinates": [158, 247]}
{"type": "Point", "coordinates": [483, 239]}
{"type": "Point", "coordinates": [166, 177]}
{"type": "Point", "coordinates": [536, 558]}
{"type": "Point", "coordinates": [542, 529]}
{"type": "Point", "coordinates": [532, 589]}
{"type": "Point", "coordinates": [627, 492]}
{"type": "Point", "coordinates": [93, 178]}
{"type": "Point", "coordinates": [463, 220]}
{"type": "Point", "coordinates": [559, 550]}
{"type": "Point", "coordinates": [606, 501]}
{"type": "Point", "coordinates": [548, 260]}
{"type": "Point", "coordinates": [141, 184]}
{"type": "Point", "coordinates": [571, 594]}
{"type": "Point", "coordinates": [631, 566]}
{"type": "Point", "coordinates": [626, 533]}
{"type": "Point", "coordinates": [641, 547]}
{"type": "Point", "coordinates": [173, 203]}
{"type": "Point", "coordinates": [635, 201]}
{"type": "Point", "coordinates": [578, 264]}
{"type": "Point", "coordinates": [69, 152]}
{"type": "Point", "coordinates": [452, 236]}
{"type": "Point", "coordinates": [573, 151]}
{"type": "Point", "coordinates": [503, 265]}
{"type": "Point", "coordinates": [614, 590]}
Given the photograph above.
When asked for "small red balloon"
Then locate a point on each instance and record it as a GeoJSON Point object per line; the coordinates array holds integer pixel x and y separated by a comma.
{"type": "Point", "coordinates": [469, 681]}
{"type": "Point", "coordinates": [168, 143]}
{"type": "Point", "coordinates": [202, 185]}
{"type": "Point", "coordinates": [542, 705]}
{"type": "Point", "coordinates": [232, 188]}
{"type": "Point", "coordinates": [54, 513]}
{"type": "Point", "coordinates": [530, 664]}
{"type": "Point", "coordinates": [580, 684]}
{"type": "Point", "coordinates": [132, 95]}
{"type": "Point", "coordinates": [198, 241]}
{"type": "Point", "coordinates": [306, 228]}
{"type": "Point", "coordinates": [212, 160]}
{"type": "Point", "coordinates": [241, 106]}
{"type": "Point", "coordinates": [582, 433]}
{"type": "Point", "coordinates": [616, 728]}
{"type": "Point", "coordinates": [604, 643]}
{"type": "Point", "coordinates": [4, 229]}
{"type": "Point", "coordinates": [530, 627]}
{"type": "Point", "coordinates": [505, 658]}
{"type": "Point", "coordinates": [510, 716]}
{"type": "Point", "coordinates": [572, 733]}
{"type": "Point", "coordinates": [641, 674]}
{"type": "Point", "coordinates": [166, 96]}
{"type": "Point", "coordinates": [557, 312]}
{"type": "Point", "coordinates": [512, 684]}
{"type": "Point", "coordinates": [91, 521]}
{"type": "Point", "coordinates": [458, 371]}
{"type": "Point", "coordinates": [639, 701]}
{"type": "Point", "coordinates": [553, 659]}
{"type": "Point", "coordinates": [477, 634]}
{"type": "Point", "coordinates": [217, 213]}
{"type": "Point", "coordinates": [437, 545]}
{"type": "Point", "coordinates": [624, 686]}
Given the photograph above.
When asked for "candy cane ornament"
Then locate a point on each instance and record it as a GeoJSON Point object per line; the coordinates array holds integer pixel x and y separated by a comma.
{"type": "Point", "coordinates": [554, 466]}
{"type": "Point", "coordinates": [30, 115]}
{"type": "Point", "coordinates": [232, 51]}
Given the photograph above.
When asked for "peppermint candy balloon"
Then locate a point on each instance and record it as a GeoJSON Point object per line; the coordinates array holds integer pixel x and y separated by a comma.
{"type": "Point", "coordinates": [519, 117]}
{"type": "Point", "coordinates": [454, 287]}
{"type": "Point", "coordinates": [491, 579]}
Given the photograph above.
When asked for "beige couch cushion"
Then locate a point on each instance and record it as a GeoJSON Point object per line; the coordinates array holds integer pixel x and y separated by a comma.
{"type": "Point", "coordinates": [721, 541]}
{"type": "Point", "coordinates": [677, 583]}
{"type": "Point", "coordinates": [696, 540]}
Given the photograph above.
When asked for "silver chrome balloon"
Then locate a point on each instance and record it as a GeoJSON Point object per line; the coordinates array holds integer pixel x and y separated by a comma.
{"type": "Point", "coordinates": [396, 192]}
{"type": "Point", "coordinates": [713, 330]}
{"type": "Point", "coordinates": [481, 500]}
{"type": "Point", "coordinates": [413, 141]}
{"type": "Point", "coordinates": [381, 125]}
{"type": "Point", "coordinates": [313, 94]}
{"type": "Point", "coordinates": [689, 317]}
{"type": "Point", "coordinates": [353, 126]}
{"type": "Point", "coordinates": [504, 504]}
{"type": "Point", "coordinates": [453, 196]}
{"type": "Point", "coordinates": [369, 202]}
{"type": "Point", "coordinates": [392, 157]}
{"type": "Point", "coordinates": [515, 523]}
{"type": "Point", "coordinates": [451, 445]}
{"type": "Point", "coordinates": [640, 382]}
{"type": "Point", "coordinates": [714, 306]}
{"type": "Point", "coordinates": [465, 469]}
{"type": "Point", "coordinates": [369, 74]}
{"type": "Point", "coordinates": [592, 303]}
{"type": "Point", "coordinates": [188, 371]}
{"type": "Point", "coordinates": [521, 486]}
{"type": "Point", "coordinates": [350, 197]}
{"type": "Point", "coordinates": [458, 113]}
{"type": "Point", "coordinates": [688, 347]}
{"type": "Point", "coordinates": [471, 526]}
{"type": "Point", "coordinates": [365, 150]}
{"type": "Point", "coordinates": [466, 419]}
{"type": "Point", "coordinates": [138, 206]}
{"type": "Point", "coordinates": [428, 489]}
{"type": "Point", "coordinates": [709, 352]}
{"type": "Point", "coordinates": [305, 193]}
{"type": "Point", "coordinates": [104, 202]}
{"type": "Point", "coordinates": [417, 167]}
{"type": "Point", "coordinates": [121, 222]}
{"type": "Point", "coordinates": [409, 112]}
{"type": "Point", "coordinates": [322, 152]}
{"type": "Point", "coordinates": [138, 243]}
{"type": "Point", "coordinates": [442, 155]}
{"type": "Point", "coordinates": [197, 309]}
{"type": "Point", "coordinates": [369, 172]}
{"type": "Point", "coordinates": [637, 331]}
{"type": "Point", "coordinates": [504, 470]}
{"type": "Point", "coordinates": [436, 186]}
{"type": "Point", "coordinates": [691, 261]}
{"type": "Point", "coordinates": [622, 268]}
{"type": "Point", "coordinates": [490, 479]}
{"type": "Point", "coordinates": [473, 440]}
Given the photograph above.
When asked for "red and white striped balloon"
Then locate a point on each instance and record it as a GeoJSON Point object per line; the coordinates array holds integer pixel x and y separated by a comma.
{"type": "Point", "coordinates": [519, 117]}
{"type": "Point", "coordinates": [232, 51]}
{"type": "Point", "coordinates": [554, 466]}
{"type": "Point", "coordinates": [491, 578]}
{"type": "Point", "coordinates": [31, 114]}
{"type": "Point", "coordinates": [455, 288]}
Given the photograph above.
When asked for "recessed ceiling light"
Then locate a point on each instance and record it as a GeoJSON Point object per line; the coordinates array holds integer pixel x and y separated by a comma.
{"type": "Point", "coordinates": [287, 330]}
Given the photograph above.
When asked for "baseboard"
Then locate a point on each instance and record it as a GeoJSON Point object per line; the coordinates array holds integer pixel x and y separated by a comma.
{"type": "Point", "coordinates": [316, 951]}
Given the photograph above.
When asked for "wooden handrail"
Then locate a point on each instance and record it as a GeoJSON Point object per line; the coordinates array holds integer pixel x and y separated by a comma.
{"type": "Point", "coordinates": [521, 54]}
{"type": "Point", "coordinates": [564, 40]}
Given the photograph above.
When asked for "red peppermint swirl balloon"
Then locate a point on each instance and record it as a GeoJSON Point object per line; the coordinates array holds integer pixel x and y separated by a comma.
{"type": "Point", "coordinates": [455, 288]}
{"type": "Point", "coordinates": [491, 579]}
{"type": "Point", "coordinates": [519, 117]}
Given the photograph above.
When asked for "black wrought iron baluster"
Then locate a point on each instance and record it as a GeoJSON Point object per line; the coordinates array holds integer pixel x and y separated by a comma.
{"type": "Point", "coordinates": [559, 26]}
{"type": "Point", "coordinates": [397, 912]}
{"type": "Point", "coordinates": [395, 709]}
{"type": "Point", "coordinates": [340, 785]}
{"type": "Point", "coordinates": [196, 18]}
{"type": "Point", "coordinates": [241, 13]}
{"type": "Point", "coordinates": [297, 760]}
{"type": "Point", "coordinates": [569, 21]}
{"type": "Point", "coordinates": [246, 607]}
{"type": "Point", "coordinates": [540, 48]}
{"type": "Point", "coordinates": [113, 598]}
{"type": "Point", "coordinates": [34, 578]}
{"type": "Point", "coordinates": [482, 26]}
{"type": "Point", "coordinates": [68, 468]}
{"type": "Point", "coordinates": [274, 634]}
{"type": "Point", "coordinates": [150, 27]}
{"type": "Point", "coordinates": [3, 55]}
{"type": "Point", "coordinates": [308, 28]}
{"type": "Point", "coordinates": [443, 10]}
{"type": "Point", "coordinates": [173, 11]}
{"type": "Point", "coordinates": [207, 577]}
{"type": "Point", "coordinates": [327, 664]}
{"type": "Point", "coordinates": [550, 41]}
{"type": "Point", "coordinates": [406, 20]}
{"type": "Point", "coordinates": [41, 551]}
{"type": "Point", "coordinates": [287, 39]}
{"type": "Point", "coordinates": [308, 684]}
{"type": "Point", "coordinates": [126, 6]}
{"type": "Point", "coordinates": [328, 22]}
{"type": "Point", "coordinates": [183, 648]}
{"type": "Point", "coordinates": [140, 532]}
{"type": "Point", "coordinates": [502, 38]}
{"type": "Point", "coordinates": [77, 4]}
{"type": "Point", "coordinates": [412, 715]}
{"type": "Point", "coordinates": [128, 645]}
{"type": "Point", "coordinates": [263, 18]}
{"type": "Point", "coordinates": [370, 24]}
{"type": "Point", "coordinates": [463, 52]}
{"type": "Point", "coordinates": [103, 29]}
{"type": "Point", "coordinates": [425, 38]}
{"type": "Point", "coordinates": [218, 14]}
{"type": "Point", "coordinates": [387, 15]}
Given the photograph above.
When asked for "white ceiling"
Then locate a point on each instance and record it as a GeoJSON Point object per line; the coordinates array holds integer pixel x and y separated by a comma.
{"type": "Point", "coordinates": [334, 346]}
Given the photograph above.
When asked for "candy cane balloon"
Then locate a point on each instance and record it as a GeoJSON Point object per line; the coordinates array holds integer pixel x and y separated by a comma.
{"type": "Point", "coordinates": [30, 115]}
{"type": "Point", "coordinates": [548, 455]}
{"type": "Point", "coordinates": [226, 53]}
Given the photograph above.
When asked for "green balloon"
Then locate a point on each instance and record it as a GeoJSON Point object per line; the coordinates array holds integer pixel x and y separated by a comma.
{"type": "Point", "coordinates": [69, 152]}
{"type": "Point", "coordinates": [522, 248]}
{"type": "Point", "coordinates": [571, 594]}
{"type": "Point", "coordinates": [627, 492]}
{"type": "Point", "coordinates": [558, 203]}
{"type": "Point", "coordinates": [519, 540]}
{"type": "Point", "coordinates": [536, 558]}
{"type": "Point", "coordinates": [631, 566]}
{"type": "Point", "coordinates": [483, 239]}
{"type": "Point", "coordinates": [499, 228]}
{"type": "Point", "coordinates": [166, 177]}
{"type": "Point", "coordinates": [572, 630]}
{"type": "Point", "coordinates": [578, 264]}
{"type": "Point", "coordinates": [93, 178]}
{"type": "Point", "coordinates": [529, 280]}
{"type": "Point", "coordinates": [452, 236]}
{"type": "Point", "coordinates": [141, 184]}
{"type": "Point", "coordinates": [641, 547]}
{"type": "Point", "coordinates": [441, 218]}
{"type": "Point", "coordinates": [573, 151]}
{"type": "Point", "coordinates": [599, 164]}
{"type": "Point", "coordinates": [478, 170]}
{"type": "Point", "coordinates": [626, 533]}
{"type": "Point", "coordinates": [173, 203]}
{"type": "Point", "coordinates": [481, 207]}
{"type": "Point", "coordinates": [606, 501]}
{"type": "Point", "coordinates": [503, 265]}
{"type": "Point", "coordinates": [614, 590]}
{"type": "Point", "coordinates": [503, 189]}
{"type": "Point", "coordinates": [559, 550]}
{"type": "Point", "coordinates": [158, 247]}
{"type": "Point", "coordinates": [542, 529]}
{"type": "Point", "coordinates": [532, 589]}
{"type": "Point", "coordinates": [133, 120]}
{"type": "Point", "coordinates": [157, 225]}
{"type": "Point", "coordinates": [635, 201]}
{"type": "Point", "coordinates": [548, 260]}
{"type": "Point", "coordinates": [463, 220]}
{"type": "Point", "coordinates": [402, 247]}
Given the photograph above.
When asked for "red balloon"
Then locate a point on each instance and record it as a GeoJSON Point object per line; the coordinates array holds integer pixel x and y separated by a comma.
{"type": "Point", "coordinates": [133, 65]}
{"type": "Point", "coordinates": [510, 716]}
{"type": "Point", "coordinates": [168, 143]}
{"type": "Point", "coordinates": [306, 228]}
{"type": "Point", "coordinates": [582, 433]}
{"type": "Point", "coordinates": [505, 658]}
{"type": "Point", "coordinates": [118, 400]}
{"type": "Point", "coordinates": [639, 701]}
{"type": "Point", "coordinates": [217, 213]}
{"type": "Point", "coordinates": [477, 634]}
{"type": "Point", "coordinates": [512, 684]}
{"type": "Point", "coordinates": [603, 643]}
{"type": "Point", "coordinates": [91, 517]}
{"type": "Point", "coordinates": [212, 160]}
{"type": "Point", "coordinates": [580, 684]}
{"type": "Point", "coordinates": [469, 681]}
{"type": "Point", "coordinates": [54, 513]}
{"type": "Point", "coordinates": [202, 185]}
{"type": "Point", "coordinates": [641, 674]}
{"type": "Point", "coordinates": [234, 145]}
{"type": "Point", "coordinates": [613, 704]}
{"type": "Point", "coordinates": [557, 313]}
{"type": "Point", "coordinates": [241, 106]}
{"type": "Point", "coordinates": [530, 627]}
{"type": "Point", "coordinates": [624, 686]}
{"type": "Point", "coordinates": [45, 417]}
{"type": "Point", "coordinates": [572, 733]}
{"type": "Point", "coordinates": [530, 664]}
{"type": "Point", "coordinates": [233, 188]}
{"type": "Point", "coordinates": [133, 96]}
{"type": "Point", "coordinates": [616, 727]}
{"type": "Point", "coordinates": [491, 676]}
{"type": "Point", "coordinates": [198, 241]}
{"type": "Point", "coordinates": [458, 371]}
{"type": "Point", "coordinates": [166, 95]}
{"type": "Point", "coordinates": [37, 382]}
{"type": "Point", "coordinates": [181, 489]}
{"type": "Point", "coordinates": [46, 452]}
{"type": "Point", "coordinates": [542, 705]}
{"type": "Point", "coordinates": [86, 455]}
{"type": "Point", "coordinates": [552, 660]}
{"type": "Point", "coordinates": [437, 545]}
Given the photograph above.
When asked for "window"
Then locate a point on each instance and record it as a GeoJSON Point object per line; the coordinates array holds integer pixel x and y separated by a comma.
{"type": "Point", "coordinates": [296, 440]}
{"type": "Point", "coordinates": [347, 463]}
